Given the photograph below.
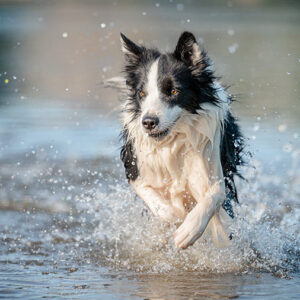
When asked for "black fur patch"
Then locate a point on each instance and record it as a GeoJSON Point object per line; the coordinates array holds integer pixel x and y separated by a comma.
{"type": "Point", "coordinates": [193, 89]}
{"type": "Point", "coordinates": [232, 146]}
{"type": "Point", "coordinates": [129, 159]}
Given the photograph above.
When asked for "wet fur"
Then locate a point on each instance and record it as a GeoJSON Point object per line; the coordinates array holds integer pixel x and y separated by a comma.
{"type": "Point", "coordinates": [189, 174]}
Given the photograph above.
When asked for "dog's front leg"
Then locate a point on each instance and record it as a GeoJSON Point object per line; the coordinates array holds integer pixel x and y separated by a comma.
{"type": "Point", "coordinates": [197, 220]}
{"type": "Point", "coordinates": [158, 205]}
{"type": "Point", "coordinates": [207, 207]}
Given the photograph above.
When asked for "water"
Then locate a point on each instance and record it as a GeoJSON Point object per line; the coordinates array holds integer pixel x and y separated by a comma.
{"type": "Point", "coordinates": [69, 224]}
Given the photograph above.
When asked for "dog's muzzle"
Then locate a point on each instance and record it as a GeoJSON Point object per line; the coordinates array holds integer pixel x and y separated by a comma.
{"type": "Point", "coordinates": [150, 124]}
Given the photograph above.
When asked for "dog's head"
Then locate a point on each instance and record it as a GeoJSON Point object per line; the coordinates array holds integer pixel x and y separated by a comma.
{"type": "Point", "coordinates": [162, 85]}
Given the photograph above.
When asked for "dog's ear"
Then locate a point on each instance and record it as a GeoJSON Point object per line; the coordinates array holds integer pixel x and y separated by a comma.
{"type": "Point", "coordinates": [188, 50]}
{"type": "Point", "coordinates": [129, 47]}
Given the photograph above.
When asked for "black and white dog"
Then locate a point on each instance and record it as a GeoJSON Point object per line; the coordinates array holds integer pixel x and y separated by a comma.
{"type": "Point", "coordinates": [182, 145]}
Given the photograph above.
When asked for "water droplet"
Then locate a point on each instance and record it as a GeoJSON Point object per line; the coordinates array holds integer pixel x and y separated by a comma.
{"type": "Point", "coordinates": [256, 127]}
{"type": "Point", "coordinates": [282, 127]}
{"type": "Point", "coordinates": [232, 49]}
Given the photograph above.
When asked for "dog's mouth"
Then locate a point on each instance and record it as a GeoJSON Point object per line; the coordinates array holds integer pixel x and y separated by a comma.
{"type": "Point", "coordinates": [159, 134]}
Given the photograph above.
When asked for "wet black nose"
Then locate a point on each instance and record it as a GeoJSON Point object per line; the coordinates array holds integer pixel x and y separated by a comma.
{"type": "Point", "coordinates": [150, 122]}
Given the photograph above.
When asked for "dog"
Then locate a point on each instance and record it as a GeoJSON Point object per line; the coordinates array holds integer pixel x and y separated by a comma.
{"type": "Point", "coordinates": [182, 145]}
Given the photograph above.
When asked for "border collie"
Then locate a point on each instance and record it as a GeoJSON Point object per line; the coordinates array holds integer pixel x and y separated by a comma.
{"type": "Point", "coordinates": [182, 145]}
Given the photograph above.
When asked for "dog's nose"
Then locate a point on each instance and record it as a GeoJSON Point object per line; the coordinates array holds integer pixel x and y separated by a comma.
{"type": "Point", "coordinates": [150, 122]}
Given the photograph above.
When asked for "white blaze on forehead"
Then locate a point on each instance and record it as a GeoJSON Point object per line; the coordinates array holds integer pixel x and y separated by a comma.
{"type": "Point", "coordinates": [152, 77]}
{"type": "Point", "coordinates": [154, 105]}
{"type": "Point", "coordinates": [151, 103]}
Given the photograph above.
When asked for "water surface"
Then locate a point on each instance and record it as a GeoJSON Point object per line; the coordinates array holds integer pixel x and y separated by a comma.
{"type": "Point", "coordinates": [70, 226]}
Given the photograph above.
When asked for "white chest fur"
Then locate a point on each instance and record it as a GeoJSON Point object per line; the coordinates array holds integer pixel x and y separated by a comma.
{"type": "Point", "coordinates": [178, 167]}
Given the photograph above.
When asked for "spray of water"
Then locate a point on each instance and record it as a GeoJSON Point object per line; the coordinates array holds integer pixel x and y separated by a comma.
{"type": "Point", "coordinates": [265, 231]}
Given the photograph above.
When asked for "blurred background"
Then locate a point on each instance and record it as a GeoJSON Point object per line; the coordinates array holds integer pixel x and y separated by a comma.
{"type": "Point", "coordinates": [59, 130]}
{"type": "Point", "coordinates": [55, 54]}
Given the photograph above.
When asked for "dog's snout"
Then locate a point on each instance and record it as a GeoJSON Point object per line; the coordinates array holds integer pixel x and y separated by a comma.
{"type": "Point", "coordinates": [150, 122]}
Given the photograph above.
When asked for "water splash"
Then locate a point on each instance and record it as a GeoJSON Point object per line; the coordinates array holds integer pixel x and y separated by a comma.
{"type": "Point", "coordinates": [265, 231]}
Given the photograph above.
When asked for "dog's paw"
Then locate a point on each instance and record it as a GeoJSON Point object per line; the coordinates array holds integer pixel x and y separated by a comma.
{"type": "Point", "coordinates": [186, 236]}
{"type": "Point", "coordinates": [191, 229]}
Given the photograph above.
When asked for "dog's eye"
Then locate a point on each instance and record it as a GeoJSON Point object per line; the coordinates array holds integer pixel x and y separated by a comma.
{"type": "Point", "coordinates": [141, 93]}
{"type": "Point", "coordinates": [174, 92]}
